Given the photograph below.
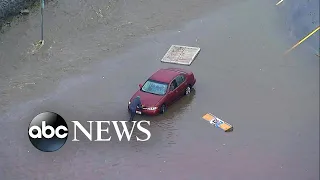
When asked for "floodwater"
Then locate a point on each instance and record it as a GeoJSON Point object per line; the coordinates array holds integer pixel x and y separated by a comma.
{"type": "Point", "coordinates": [242, 77]}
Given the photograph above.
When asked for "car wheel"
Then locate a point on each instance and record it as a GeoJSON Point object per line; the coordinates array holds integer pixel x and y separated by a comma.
{"type": "Point", "coordinates": [188, 90]}
{"type": "Point", "coordinates": [163, 109]}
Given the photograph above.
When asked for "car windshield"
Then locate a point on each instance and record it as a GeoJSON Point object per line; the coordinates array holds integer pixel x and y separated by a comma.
{"type": "Point", "coordinates": [155, 87]}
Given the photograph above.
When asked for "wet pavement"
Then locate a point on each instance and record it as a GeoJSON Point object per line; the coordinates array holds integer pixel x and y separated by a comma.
{"type": "Point", "coordinates": [242, 77]}
{"type": "Point", "coordinates": [302, 17]}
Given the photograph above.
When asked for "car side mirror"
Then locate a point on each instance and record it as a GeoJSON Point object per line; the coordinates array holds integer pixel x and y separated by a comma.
{"type": "Point", "coordinates": [140, 85]}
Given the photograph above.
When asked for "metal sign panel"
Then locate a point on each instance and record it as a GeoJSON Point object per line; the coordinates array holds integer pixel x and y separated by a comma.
{"type": "Point", "coordinates": [218, 122]}
{"type": "Point", "coordinates": [183, 55]}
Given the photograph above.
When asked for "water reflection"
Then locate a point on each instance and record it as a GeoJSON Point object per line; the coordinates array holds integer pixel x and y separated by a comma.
{"type": "Point", "coordinates": [164, 127]}
{"type": "Point", "coordinates": [177, 109]}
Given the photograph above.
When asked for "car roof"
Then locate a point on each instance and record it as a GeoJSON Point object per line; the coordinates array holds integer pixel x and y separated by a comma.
{"type": "Point", "coordinates": [166, 75]}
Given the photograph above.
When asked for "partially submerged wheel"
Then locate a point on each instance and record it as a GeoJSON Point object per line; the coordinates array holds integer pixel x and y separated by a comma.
{"type": "Point", "coordinates": [188, 90]}
{"type": "Point", "coordinates": [163, 109]}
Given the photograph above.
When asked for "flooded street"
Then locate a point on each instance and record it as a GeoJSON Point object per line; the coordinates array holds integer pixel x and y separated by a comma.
{"type": "Point", "coordinates": [90, 67]}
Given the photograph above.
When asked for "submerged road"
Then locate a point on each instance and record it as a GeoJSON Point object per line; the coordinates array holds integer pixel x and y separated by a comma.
{"type": "Point", "coordinates": [242, 77]}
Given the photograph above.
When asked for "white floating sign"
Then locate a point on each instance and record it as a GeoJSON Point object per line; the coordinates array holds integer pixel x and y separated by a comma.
{"type": "Point", "coordinates": [184, 55]}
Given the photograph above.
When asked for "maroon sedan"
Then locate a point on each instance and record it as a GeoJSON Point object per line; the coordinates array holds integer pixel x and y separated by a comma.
{"type": "Point", "coordinates": [163, 88]}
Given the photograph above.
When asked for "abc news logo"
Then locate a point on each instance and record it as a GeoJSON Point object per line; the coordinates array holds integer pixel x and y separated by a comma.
{"type": "Point", "coordinates": [48, 131]}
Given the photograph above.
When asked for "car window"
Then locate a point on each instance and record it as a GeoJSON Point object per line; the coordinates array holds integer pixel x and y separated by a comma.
{"type": "Point", "coordinates": [173, 85]}
{"type": "Point", "coordinates": [180, 79]}
{"type": "Point", "coordinates": [155, 87]}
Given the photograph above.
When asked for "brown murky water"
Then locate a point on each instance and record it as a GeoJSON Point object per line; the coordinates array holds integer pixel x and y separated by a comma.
{"type": "Point", "coordinates": [89, 71]}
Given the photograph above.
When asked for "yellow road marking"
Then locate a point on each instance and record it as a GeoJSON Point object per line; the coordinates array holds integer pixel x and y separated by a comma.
{"type": "Point", "coordinates": [279, 2]}
{"type": "Point", "coordinates": [314, 31]}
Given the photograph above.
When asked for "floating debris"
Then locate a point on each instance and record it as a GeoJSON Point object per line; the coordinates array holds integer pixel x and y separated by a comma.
{"type": "Point", "coordinates": [37, 46]}
{"type": "Point", "coordinates": [183, 55]}
{"type": "Point", "coordinates": [25, 12]}
{"type": "Point", "coordinates": [218, 122]}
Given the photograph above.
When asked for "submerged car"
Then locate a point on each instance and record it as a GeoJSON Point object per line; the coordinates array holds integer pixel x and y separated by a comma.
{"type": "Point", "coordinates": [162, 89]}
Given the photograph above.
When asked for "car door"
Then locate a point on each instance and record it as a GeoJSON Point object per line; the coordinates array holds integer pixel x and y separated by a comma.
{"type": "Point", "coordinates": [172, 92]}
{"type": "Point", "coordinates": [182, 85]}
